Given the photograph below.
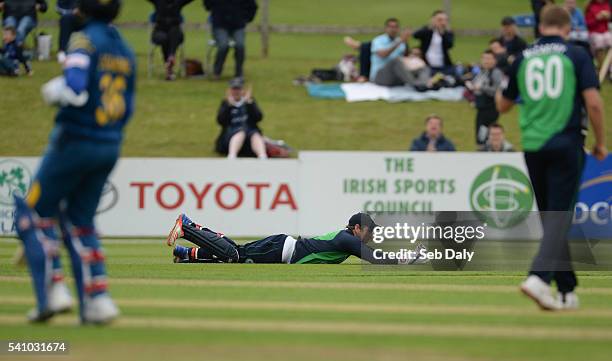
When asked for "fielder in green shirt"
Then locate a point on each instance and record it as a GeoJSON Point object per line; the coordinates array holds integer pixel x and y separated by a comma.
{"type": "Point", "coordinates": [557, 88]}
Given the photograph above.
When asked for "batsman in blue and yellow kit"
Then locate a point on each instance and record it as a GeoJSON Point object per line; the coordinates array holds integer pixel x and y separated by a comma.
{"type": "Point", "coordinates": [96, 99]}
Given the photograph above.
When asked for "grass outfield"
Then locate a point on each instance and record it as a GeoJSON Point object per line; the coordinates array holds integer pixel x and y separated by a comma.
{"type": "Point", "coordinates": [178, 119]}
{"type": "Point", "coordinates": [295, 312]}
{"type": "Point", "coordinates": [356, 12]}
{"type": "Point", "coordinates": [306, 312]}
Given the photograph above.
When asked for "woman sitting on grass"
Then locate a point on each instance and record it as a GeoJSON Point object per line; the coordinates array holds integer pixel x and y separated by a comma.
{"type": "Point", "coordinates": [239, 115]}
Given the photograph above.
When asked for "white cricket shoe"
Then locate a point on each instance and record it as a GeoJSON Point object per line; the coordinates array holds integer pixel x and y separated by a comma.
{"type": "Point", "coordinates": [34, 316]}
{"type": "Point", "coordinates": [59, 298]}
{"type": "Point", "coordinates": [100, 309]}
{"type": "Point", "coordinates": [568, 301]}
{"type": "Point", "coordinates": [540, 292]}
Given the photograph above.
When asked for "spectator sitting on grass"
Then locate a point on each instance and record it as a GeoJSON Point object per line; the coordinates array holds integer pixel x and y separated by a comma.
{"type": "Point", "coordinates": [484, 86]}
{"type": "Point", "coordinates": [21, 15]}
{"type": "Point", "coordinates": [598, 14]}
{"type": "Point", "coordinates": [497, 140]}
{"type": "Point", "coordinates": [436, 41]}
{"type": "Point", "coordinates": [432, 139]}
{"type": "Point", "coordinates": [238, 116]}
{"type": "Point", "coordinates": [579, 33]}
{"type": "Point", "coordinates": [364, 48]}
{"type": "Point", "coordinates": [410, 70]}
{"type": "Point", "coordinates": [510, 39]}
{"type": "Point", "coordinates": [11, 55]}
{"type": "Point", "coordinates": [387, 46]}
{"type": "Point", "coordinates": [167, 32]}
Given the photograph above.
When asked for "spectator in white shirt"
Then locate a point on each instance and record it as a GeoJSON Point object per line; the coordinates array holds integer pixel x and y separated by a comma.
{"type": "Point", "coordinates": [436, 41]}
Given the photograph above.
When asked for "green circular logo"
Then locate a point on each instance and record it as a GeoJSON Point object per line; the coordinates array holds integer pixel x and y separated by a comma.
{"type": "Point", "coordinates": [15, 178]}
{"type": "Point", "coordinates": [501, 195]}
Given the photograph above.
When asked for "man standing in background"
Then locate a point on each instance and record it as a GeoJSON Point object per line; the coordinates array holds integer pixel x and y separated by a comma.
{"type": "Point", "coordinates": [69, 22]}
{"type": "Point", "coordinates": [229, 19]}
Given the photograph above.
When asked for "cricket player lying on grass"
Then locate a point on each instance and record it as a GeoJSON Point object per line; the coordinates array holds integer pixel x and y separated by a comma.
{"type": "Point", "coordinates": [333, 248]}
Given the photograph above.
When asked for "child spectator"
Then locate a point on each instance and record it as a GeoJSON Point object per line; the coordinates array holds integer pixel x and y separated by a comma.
{"type": "Point", "coordinates": [597, 17]}
{"type": "Point", "coordinates": [432, 139]}
{"type": "Point", "coordinates": [21, 15]}
{"type": "Point", "coordinates": [484, 86]}
{"type": "Point", "coordinates": [11, 55]}
{"type": "Point", "coordinates": [497, 140]}
{"type": "Point", "coordinates": [238, 116]}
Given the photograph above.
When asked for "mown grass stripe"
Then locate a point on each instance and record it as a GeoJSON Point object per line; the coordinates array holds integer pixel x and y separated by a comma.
{"type": "Point", "coordinates": [475, 310]}
{"type": "Point", "coordinates": [318, 285]}
{"type": "Point", "coordinates": [350, 328]}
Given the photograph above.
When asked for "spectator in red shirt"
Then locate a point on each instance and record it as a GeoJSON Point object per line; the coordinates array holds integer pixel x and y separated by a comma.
{"type": "Point", "coordinates": [598, 14]}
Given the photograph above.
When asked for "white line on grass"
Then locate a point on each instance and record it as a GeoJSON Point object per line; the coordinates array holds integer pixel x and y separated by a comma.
{"type": "Point", "coordinates": [230, 304]}
{"type": "Point", "coordinates": [350, 328]}
{"type": "Point", "coordinates": [317, 285]}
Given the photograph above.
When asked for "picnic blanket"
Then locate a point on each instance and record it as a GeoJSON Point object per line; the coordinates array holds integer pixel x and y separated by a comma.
{"type": "Point", "coordinates": [359, 92]}
{"type": "Point", "coordinates": [325, 91]}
